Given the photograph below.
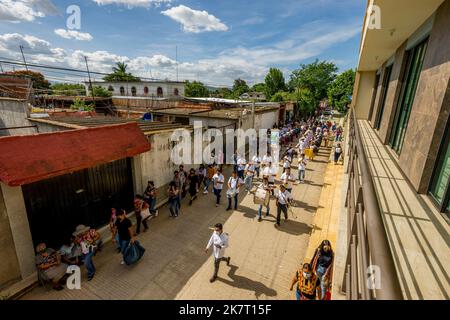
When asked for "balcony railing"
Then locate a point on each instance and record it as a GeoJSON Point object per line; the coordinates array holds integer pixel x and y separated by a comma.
{"type": "Point", "coordinates": [370, 270]}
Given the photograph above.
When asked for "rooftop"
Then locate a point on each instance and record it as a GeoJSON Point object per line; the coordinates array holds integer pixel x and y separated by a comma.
{"type": "Point", "coordinates": [147, 127]}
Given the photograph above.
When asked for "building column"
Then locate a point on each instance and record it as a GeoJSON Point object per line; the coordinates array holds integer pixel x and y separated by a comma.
{"type": "Point", "coordinates": [362, 96]}
{"type": "Point", "coordinates": [20, 228]}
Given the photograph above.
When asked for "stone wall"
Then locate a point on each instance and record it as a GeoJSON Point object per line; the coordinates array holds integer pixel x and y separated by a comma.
{"type": "Point", "coordinates": [13, 113]}
{"type": "Point", "coordinates": [431, 108]}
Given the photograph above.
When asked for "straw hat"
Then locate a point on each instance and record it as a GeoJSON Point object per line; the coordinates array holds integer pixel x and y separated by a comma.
{"type": "Point", "coordinates": [80, 229]}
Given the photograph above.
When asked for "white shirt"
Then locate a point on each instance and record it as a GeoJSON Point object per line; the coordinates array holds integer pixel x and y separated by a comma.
{"type": "Point", "coordinates": [218, 181]}
{"type": "Point", "coordinates": [287, 162]}
{"type": "Point", "coordinates": [250, 168]}
{"type": "Point", "coordinates": [267, 159]}
{"type": "Point", "coordinates": [301, 164]}
{"type": "Point", "coordinates": [234, 183]}
{"type": "Point", "coordinates": [257, 161]}
{"type": "Point", "coordinates": [241, 164]}
{"type": "Point", "coordinates": [270, 172]}
{"type": "Point", "coordinates": [288, 180]}
{"type": "Point", "coordinates": [283, 197]}
{"type": "Point", "coordinates": [219, 243]}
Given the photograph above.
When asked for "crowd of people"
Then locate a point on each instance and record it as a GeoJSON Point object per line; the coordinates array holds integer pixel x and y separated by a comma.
{"type": "Point", "coordinates": [299, 140]}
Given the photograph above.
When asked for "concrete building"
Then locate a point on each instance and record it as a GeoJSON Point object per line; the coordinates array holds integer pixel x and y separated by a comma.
{"type": "Point", "coordinates": [402, 89]}
{"type": "Point", "coordinates": [157, 89]}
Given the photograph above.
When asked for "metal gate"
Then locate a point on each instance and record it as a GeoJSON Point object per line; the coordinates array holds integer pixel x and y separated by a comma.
{"type": "Point", "coordinates": [56, 206]}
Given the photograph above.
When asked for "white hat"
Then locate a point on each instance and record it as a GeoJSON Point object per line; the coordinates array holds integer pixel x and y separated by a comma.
{"type": "Point", "coordinates": [80, 229]}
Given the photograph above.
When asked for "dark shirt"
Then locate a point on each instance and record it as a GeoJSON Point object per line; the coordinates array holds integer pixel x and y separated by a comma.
{"type": "Point", "coordinates": [324, 260]}
{"type": "Point", "coordinates": [122, 229]}
{"type": "Point", "coordinates": [193, 183]}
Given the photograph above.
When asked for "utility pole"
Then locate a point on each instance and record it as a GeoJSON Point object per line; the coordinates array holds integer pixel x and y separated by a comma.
{"type": "Point", "coordinates": [23, 57]}
{"type": "Point", "coordinates": [253, 114]}
{"type": "Point", "coordinates": [90, 82]}
{"type": "Point", "coordinates": [176, 58]}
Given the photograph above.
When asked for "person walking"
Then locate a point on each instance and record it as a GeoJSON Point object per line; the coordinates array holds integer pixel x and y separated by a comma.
{"type": "Point", "coordinates": [174, 197]}
{"type": "Point", "coordinates": [209, 175]}
{"type": "Point", "coordinates": [194, 185]}
{"type": "Point", "coordinates": [179, 184]}
{"type": "Point", "coordinates": [249, 173]}
{"type": "Point", "coordinates": [270, 172]}
{"type": "Point", "coordinates": [183, 181]}
{"type": "Point", "coordinates": [87, 249]}
{"type": "Point", "coordinates": [219, 241]}
{"type": "Point", "coordinates": [112, 221]}
{"type": "Point", "coordinates": [140, 207]}
{"type": "Point", "coordinates": [150, 196]}
{"type": "Point", "coordinates": [234, 183]}
{"type": "Point", "coordinates": [201, 173]}
{"type": "Point", "coordinates": [265, 186]}
{"type": "Point", "coordinates": [302, 168]}
{"type": "Point", "coordinates": [308, 284]}
{"type": "Point", "coordinates": [337, 153]}
{"type": "Point", "coordinates": [257, 162]}
{"type": "Point", "coordinates": [124, 228]}
{"type": "Point", "coordinates": [241, 167]}
{"type": "Point", "coordinates": [322, 266]}
{"type": "Point", "coordinates": [288, 180]}
{"type": "Point", "coordinates": [218, 181]}
{"type": "Point", "coordinates": [283, 200]}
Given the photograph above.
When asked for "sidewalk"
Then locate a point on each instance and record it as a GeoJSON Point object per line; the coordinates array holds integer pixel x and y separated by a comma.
{"type": "Point", "coordinates": [418, 234]}
{"type": "Point", "coordinates": [264, 259]}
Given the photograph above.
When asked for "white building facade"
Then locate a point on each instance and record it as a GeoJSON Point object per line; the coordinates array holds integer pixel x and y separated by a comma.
{"type": "Point", "coordinates": [158, 89]}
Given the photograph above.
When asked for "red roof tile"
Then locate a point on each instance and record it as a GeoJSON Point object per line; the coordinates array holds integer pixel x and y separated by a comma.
{"type": "Point", "coordinates": [27, 159]}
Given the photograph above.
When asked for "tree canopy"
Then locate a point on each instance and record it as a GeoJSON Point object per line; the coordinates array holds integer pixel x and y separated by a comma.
{"type": "Point", "coordinates": [196, 89]}
{"type": "Point", "coordinates": [120, 74]}
{"type": "Point", "coordinates": [259, 87]}
{"type": "Point", "coordinates": [341, 90]}
{"type": "Point", "coordinates": [39, 81]}
{"type": "Point", "coordinates": [316, 77]}
{"type": "Point", "coordinates": [68, 89]}
{"type": "Point", "coordinates": [239, 88]}
{"type": "Point", "coordinates": [274, 82]}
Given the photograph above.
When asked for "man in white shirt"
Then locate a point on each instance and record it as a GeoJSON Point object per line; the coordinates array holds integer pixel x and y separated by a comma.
{"type": "Point", "coordinates": [257, 162]}
{"type": "Point", "coordinates": [283, 200]}
{"type": "Point", "coordinates": [287, 162]}
{"type": "Point", "coordinates": [219, 240]}
{"type": "Point", "coordinates": [301, 168]}
{"type": "Point", "coordinates": [234, 183]}
{"type": "Point", "coordinates": [218, 181]}
{"type": "Point", "coordinates": [249, 173]}
{"type": "Point", "coordinates": [270, 172]}
{"type": "Point", "coordinates": [288, 180]}
{"type": "Point", "coordinates": [241, 167]}
{"type": "Point", "coordinates": [267, 159]}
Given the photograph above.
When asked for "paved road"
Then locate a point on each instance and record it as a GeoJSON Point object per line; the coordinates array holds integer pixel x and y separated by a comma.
{"type": "Point", "coordinates": [175, 266]}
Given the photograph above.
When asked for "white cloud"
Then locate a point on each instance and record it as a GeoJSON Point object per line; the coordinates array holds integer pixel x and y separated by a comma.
{"type": "Point", "coordinates": [133, 3]}
{"type": "Point", "coordinates": [195, 21]}
{"type": "Point", "coordinates": [25, 10]}
{"type": "Point", "coordinates": [73, 34]}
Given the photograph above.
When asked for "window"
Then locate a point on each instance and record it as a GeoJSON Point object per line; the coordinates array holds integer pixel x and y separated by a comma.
{"type": "Point", "coordinates": [384, 93]}
{"type": "Point", "coordinates": [146, 90]}
{"type": "Point", "coordinates": [440, 188]}
{"type": "Point", "coordinates": [110, 89]}
{"type": "Point", "coordinates": [411, 78]}
{"type": "Point", "coordinates": [176, 92]}
{"type": "Point", "coordinates": [159, 92]}
{"type": "Point", "coordinates": [122, 91]}
{"type": "Point", "coordinates": [133, 91]}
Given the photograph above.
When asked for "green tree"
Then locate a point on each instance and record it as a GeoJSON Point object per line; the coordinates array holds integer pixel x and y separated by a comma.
{"type": "Point", "coordinates": [80, 105]}
{"type": "Point", "coordinates": [274, 82]}
{"type": "Point", "coordinates": [259, 87]}
{"type": "Point", "coordinates": [239, 88]}
{"type": "Point", "coordinates": [341, 90]}
{"type": "Point", "coordinates": [68, 89]}
{"type": "Point", "coordinates": [196, 89]}
{"type": "Point", "coordinates": [120, 74]}
{"type": "Point", "coordinates": [316, 77]}
{"type": "Point", "coordinates": [305, 100]}
{"type": "Point", "coordinates": [101, 92]}
{"type": "Point", "coordinates": [39, 81]}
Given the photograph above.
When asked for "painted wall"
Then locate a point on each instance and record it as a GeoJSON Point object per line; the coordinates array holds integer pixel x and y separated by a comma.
{"type": "Point", "coordinates": [167, 87]}
{"type": "Point", "coordinates": [9, 266]}
{"type": "Point", "coordinates": [13, 113]}
{"type": "Point", "coordinates": [365, 83]}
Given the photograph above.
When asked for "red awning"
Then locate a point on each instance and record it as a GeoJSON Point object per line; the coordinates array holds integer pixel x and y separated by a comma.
{"type": "Point", "coordinates": [27, 159]}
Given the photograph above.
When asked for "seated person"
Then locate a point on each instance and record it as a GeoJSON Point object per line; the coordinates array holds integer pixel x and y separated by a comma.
{"type": "Point", "coordinates": [70, 251]}
{"type": "Point", "coordinates": [49, 266]}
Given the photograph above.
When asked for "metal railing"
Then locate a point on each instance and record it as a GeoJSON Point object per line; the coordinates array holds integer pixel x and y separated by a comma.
{"type": "Point", "coordinates": [370, 269]}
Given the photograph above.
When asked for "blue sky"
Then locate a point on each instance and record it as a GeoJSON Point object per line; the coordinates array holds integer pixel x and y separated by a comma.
{"type": "Point", "coordinates": [218, 40]}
